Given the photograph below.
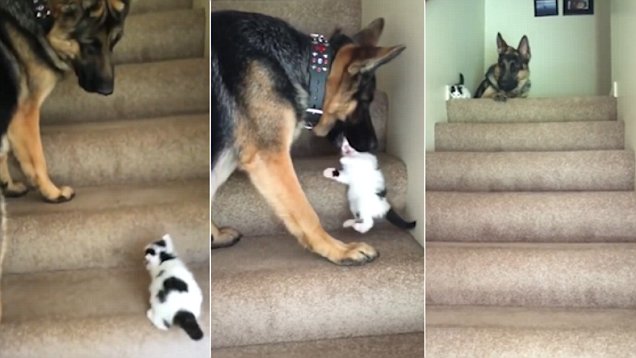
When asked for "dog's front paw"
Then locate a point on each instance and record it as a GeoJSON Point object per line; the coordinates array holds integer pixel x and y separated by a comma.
{"type": "Point", "coordinates": [64, 194]}
{"type": "Point", "coordinates": [500, 97]}
{"type": "Point", "coordinates": [226, 237]}
{"type": "Point", "coordinates": [357, 253]}
{"type": "Point", "coordinates": [14, 190]}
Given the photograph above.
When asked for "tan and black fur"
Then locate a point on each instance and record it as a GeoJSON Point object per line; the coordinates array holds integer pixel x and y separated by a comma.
{"type": "Point", "coordinates": [510, 76]}
{"type": "Point", "coordinates": [79, 37]}
{"type": "Point", "coordinates": [260, 81]}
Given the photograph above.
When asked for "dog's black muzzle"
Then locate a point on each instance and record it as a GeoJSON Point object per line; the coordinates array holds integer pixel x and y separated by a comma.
{"type": "Point", "coordinates": [358, 129]}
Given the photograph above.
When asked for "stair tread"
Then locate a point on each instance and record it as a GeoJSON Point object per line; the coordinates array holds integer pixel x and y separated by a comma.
{"type": "Point", "coordinates": [538, 109]}
{"type": "Point", "coordinates": [142, 90]}
{"type": "Point", "coordinates": [145, 6]}
{"type": "Point", "coordinates": [261, 282]}
{"type": "Point", "coordinates": [161, 36]}
{"type": "Point", "coordinates": [238, 204]}
{"type": "Point", "coordinates": [530, 171]}
{"type": "Point", "coordinates": [543, 136]}
{"type": "Point", "coordinates": [110, 292]}
{"type": "Point", "coordinates": [109, 336]}
{"type": "Point", "coordinates": [406, 345]}
{"type": "Point", "coordinates": [537, 275]}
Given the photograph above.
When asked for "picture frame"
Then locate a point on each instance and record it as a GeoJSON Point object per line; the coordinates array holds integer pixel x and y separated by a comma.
{"type": "Point", "coordinates": [578, 7]}
{"type": "Point", "coordinates": [546, 8]}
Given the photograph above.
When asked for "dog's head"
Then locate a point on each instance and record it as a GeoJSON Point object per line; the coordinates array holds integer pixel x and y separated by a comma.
{"type": "Point", "coordinates": [512, 66]}
{"type": "Point", "coordinates": [351, 85]}
{"type": "Point", "coordinates": [85, 33]}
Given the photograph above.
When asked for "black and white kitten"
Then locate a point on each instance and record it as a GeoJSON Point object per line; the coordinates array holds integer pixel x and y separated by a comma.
{"type": "Point", "coordinates": [175, 297]}
{"type": "Point", "coordinates": [366, 192]}
{"type": "Point", "coordinates": [458, 90]}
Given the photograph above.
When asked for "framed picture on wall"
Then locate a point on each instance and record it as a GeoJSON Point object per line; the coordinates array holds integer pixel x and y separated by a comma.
{"type": "Point", "coordinates": [545, 8]}
{"type": "Point", "coordinates": [578, 7]}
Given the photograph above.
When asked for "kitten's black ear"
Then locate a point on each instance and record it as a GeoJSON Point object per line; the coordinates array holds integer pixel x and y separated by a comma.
{"type": "Point", "coordinates": [150, 251]}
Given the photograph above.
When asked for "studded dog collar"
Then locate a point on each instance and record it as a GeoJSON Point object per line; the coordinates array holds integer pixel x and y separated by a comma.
{"type": "Point", "coordinates": [42, 13]}
{"type": "Point", "coordinates": [319, 66]}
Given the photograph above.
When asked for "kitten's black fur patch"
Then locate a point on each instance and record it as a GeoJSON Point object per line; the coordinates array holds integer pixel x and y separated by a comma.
{"type": "Point", "coordinates": [174, 284]}
{"type": "Point", "coordinates": [161, 243]}
{"type": "Point", "coordinates": [335, 173]}
{"type": "Point", "coordinates": [160, 273]}
{"type": "Point", "coordinates": [382, 193]}
{"type": "Point", "coordinates": [164, 256]}
{"type": "Point", "coordinates": [150, 252]}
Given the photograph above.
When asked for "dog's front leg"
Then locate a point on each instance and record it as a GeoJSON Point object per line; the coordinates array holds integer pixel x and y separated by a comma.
{"type": "Point", "coordinates": [9, 187]}
{"type": "Point", "coordinates": [272, 173]}
{"type": "Point", "coordinates": [24, 136]}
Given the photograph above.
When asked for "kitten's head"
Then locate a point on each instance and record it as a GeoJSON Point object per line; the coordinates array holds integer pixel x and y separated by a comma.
{"type": "Point", "coordinates": [459, 91]}
{"type": "Point", "coordinates": [159, 251]}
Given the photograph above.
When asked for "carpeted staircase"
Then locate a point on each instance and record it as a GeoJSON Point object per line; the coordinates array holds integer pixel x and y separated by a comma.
{"type": "Point", "coordinates": [531, 224]}
{"type": "Point", "coordinates": [74, 283]}
{"type": "Point", "coordinates": [272, 298]}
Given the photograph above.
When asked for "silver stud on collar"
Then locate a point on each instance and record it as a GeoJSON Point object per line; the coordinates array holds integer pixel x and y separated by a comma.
{"type": "Point", "coordinates": [41, 9]}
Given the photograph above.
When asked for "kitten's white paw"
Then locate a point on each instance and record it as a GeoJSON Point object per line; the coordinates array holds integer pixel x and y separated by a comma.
{"type": "Point", "coordinates": [328, 173]}
{"type": "Point", "coordinates": [361, 227]}
{"type": "Point", "coordinates": [349, 223]}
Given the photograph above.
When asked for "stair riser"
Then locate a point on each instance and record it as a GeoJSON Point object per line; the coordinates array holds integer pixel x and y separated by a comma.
{"type": "Point", "coordinates": [155, 150]}
{"type": "Point", "coordinates": [111, 239]}
{"type": "Point", "coordinates": [520, 137]}
{"type": "Point", "coordinates": [400, 313]}
{"type": "Point", "coordinates": [528, 171]}
{"type": "Point", "coordinates": [141, 91]}
{"type": "Point", "coordinates": [162, 36]}
{"type": "Point", "coordinates": [302, 14]}
{"type": "Point", "coordinates": [533, 110]}
{"type": "Point", "coordinates": [538, 217]}
{"type": "Point", "coordinates": [239, 205]}
{"type": "Point", "coordinates": [144, 6]}
{"type": "Point", "coordinates": [501, 342]}
{"type": "Point", "coordinates": [593, 275]}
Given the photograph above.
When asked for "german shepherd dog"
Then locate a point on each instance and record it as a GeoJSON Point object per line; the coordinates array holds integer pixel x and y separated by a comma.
{"type": "Point", "coordinates": [40, 40]}
{"type": "Point", "coordinates": [260, 89]}
{"type": "Point", "coordinates": [510, 76]}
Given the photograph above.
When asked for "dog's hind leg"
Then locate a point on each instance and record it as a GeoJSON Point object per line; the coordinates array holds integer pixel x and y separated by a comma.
{"type": "Point", "coordinates": [223, 168]}
{"type": "Point", "coordinates": [26, 143]}
{"type": "Point", "coordinates": [9, 187]}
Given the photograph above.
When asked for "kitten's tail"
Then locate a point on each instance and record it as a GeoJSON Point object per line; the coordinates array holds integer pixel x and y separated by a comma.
{"type": "Point", "coordinates": [188, 322]}
{"type": "Point", "coordinates": [397, 220]}
{"type": "Point", "coordinates": [461, 78]}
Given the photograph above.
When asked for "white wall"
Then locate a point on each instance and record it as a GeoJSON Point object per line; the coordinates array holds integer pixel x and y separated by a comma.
{"type": "Point", "coordinates": [454, 44]}
{"type": "Point", "coordinates": [403, 80]}
{"type": "Point", "coordinates": [570, 54]}
{"type": "Point", "coordinates": [623, 19]}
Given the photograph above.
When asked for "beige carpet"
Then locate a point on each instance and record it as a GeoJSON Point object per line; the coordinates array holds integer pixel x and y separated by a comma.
{"type": "Point", "coordinates": [271, 297]}
{"type": "Point", "coordinates": [73, 282]}
{"type": "Point", "coordinates": [530, 231]}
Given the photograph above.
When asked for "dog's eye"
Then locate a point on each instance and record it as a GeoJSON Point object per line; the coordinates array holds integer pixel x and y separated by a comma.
{"type": "Point", "coordinates": [514, 66]}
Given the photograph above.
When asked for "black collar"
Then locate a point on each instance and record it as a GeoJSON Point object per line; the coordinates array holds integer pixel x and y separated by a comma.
{"type": "Point", "coordinates": [319, 67]}
{"type": "Point", "coordinates": [42, 13]}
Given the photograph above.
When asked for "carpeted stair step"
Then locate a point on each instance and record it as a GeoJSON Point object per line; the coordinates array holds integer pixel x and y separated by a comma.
{"type": "Point", "coordinates": [407, 345]}
{"type": "Point", "coordinates": [129, 151]}
{"type": "Point", "coordinates": [530, 171]}
{"type": "Point", "coordinates": [91, 313]}
{"type": "Point", "coordinates": [320, 16]}
{"type": "Point", "coordinates": [144, 6]}
{"type": "Point", "coordinates": [271, 290]}
{"type": "Point", "coordinates": [478, 331]}
{"type": "Point", "coordinates": [106, 227]}
{"type": "Point", "coordinates": [556, 136]}
{"type": "Point", "coordinates": [308, 144]}
{"type": "Point", "coordinates": [548, 109]}
{"type": "Point", "coordinates": [161, 36]}
{"type": "Point", "coordinates": [539, 216]}
{"type": "Point", "coordinates": [238, 204]}
{"type": "Point", "coordinates": [523, 274]}
{"type": "Point", "coordinates": [144, 90]}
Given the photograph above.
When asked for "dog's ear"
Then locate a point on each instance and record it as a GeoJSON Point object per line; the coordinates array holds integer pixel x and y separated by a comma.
{"type": "Point", "coordinates": [370, 35]}
{"type": "Point", "coordinates": [524, 48]}
{"type": "Point", "coordinates": [501, 44]}
{"type": "Point", "coordinates": [372, 58]}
